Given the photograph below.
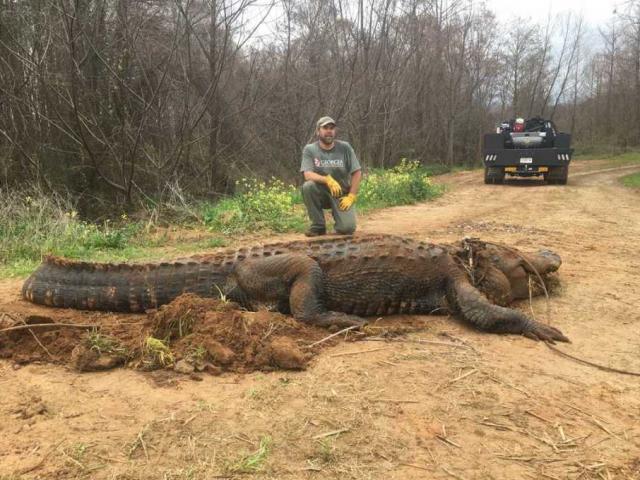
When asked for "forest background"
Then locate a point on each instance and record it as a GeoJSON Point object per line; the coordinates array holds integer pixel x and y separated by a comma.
{"type": "Point", "coordinates": [110, 108]}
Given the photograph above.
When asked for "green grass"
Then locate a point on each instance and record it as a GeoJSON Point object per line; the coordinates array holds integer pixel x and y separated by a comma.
{"type": "Point", "coordinates": [274, 206]}
{"type": "Point", "coordinates": [103, 344]}
{"type": "Point", "coordinates": [632, 181]}
{"type": "Point", "coordinates": [626, 158]}
{"type": "Point", "coordinates": [405, 184]}
{"type": "Point", "coordinates": [257, 206]}
{"type": "Point", "coordinates": [254, 462]}
{"type": "Point", "coordinates": [33, 224]}
{"type": "Point", "coordinates": [617, 155]}
{"type": "Point", "coordinates": [157, 353]}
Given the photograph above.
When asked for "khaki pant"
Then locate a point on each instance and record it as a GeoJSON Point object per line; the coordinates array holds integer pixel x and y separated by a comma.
{"type": "Point", "coordinates": [317, 198]}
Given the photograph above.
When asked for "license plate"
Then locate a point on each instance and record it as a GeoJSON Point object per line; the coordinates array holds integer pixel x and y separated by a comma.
{"type": "Point", "coordinates": [526, 160]}
{"type": "Point", "coordinates": [543, 169]}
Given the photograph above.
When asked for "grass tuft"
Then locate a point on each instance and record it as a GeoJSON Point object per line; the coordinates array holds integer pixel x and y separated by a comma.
{"type": "Point", "coordinates": [326, 451]}
{"type": "Point", "coordinates": [103, 344]}
{"type": "Point", "coordinates": [254, 462]}
{"type": "Point", "coordinates": [157, 353]}
{"type": "Point", "coordinates": [632, 181]}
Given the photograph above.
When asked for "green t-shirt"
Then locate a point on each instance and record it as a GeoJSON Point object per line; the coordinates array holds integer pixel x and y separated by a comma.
{"type": "Point", "coordinates": [339, 162]}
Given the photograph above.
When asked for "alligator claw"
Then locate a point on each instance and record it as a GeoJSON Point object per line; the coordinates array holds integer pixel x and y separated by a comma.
{"type": "Point", "coordinates": [539, 331]}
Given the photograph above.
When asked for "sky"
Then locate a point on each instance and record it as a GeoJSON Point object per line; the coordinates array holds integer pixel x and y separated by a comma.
{"type": "Point", "coordinates": [595, 12]}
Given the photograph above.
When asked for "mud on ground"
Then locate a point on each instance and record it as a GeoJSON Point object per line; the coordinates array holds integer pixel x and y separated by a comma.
{"type": "Point", "coordinates": [440, 401]}
{"type": "Point", "coordinates": [190, 335]}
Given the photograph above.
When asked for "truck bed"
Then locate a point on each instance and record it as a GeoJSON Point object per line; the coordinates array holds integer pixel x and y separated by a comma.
{"type": "Point", "coordinates": [552, 163]}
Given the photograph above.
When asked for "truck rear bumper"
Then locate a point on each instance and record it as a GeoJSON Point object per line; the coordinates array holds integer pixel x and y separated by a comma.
{"type": "Point", "coordinates": [526, 170]}
{"type": "Point", "coordinates": [527, 160]}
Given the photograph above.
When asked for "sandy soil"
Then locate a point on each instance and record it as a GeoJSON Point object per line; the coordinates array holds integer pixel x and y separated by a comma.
{"type": "Point", "coordinates": [442, 402]}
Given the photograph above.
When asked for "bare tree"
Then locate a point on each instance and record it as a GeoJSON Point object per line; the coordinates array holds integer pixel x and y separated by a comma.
{"type": "Point", "coordinates": [121, 102]}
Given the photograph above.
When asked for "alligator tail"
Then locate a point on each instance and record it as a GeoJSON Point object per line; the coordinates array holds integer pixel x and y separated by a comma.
{"type": "Point", "coordinates": [122, 287]}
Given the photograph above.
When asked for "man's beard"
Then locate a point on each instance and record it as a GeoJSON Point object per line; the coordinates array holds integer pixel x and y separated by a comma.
{"type": "Point", "coordinates": [327, 139]}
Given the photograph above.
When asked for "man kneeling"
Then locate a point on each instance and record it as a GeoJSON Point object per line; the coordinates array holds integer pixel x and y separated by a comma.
{"type": "Point", "coordinates": [332, 176]}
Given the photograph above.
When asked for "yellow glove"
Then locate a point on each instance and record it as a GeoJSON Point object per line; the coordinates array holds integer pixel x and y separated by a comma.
{"type": "Point", "coordinates": [346, 202]}
{"type": "Point", "coordinates": [334, 187]}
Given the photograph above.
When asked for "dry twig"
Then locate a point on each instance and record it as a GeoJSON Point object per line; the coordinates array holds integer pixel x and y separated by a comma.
{"type": "Point", "coordinates": [331, 336]}
{"type": "Point", "coordinates": [49, 325]}
{"type": "Point", "coordinates": [452, 474]}
{"type": "Point", "coordinates": [413, 465]}
{"type": "Point", "coordinates": [330, 434]}
{"type": "Point", "coordinates": [343, 354]}
{"type": "Point", "coordinates": [392, 400]}
{"type": "Point", "coordinates": [415, 340]}
{"type": "Point", "coordinates": [446, 440]}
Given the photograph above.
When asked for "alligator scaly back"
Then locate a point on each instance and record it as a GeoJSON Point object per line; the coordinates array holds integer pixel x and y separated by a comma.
{"type": "Point", "coordinates": [131, 287]}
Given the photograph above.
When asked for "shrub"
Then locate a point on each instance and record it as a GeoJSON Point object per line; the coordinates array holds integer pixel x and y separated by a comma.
{"type": "Point", "coordinates": [256, 206]}
{"type": "Point", "coordinates": [404, 184]}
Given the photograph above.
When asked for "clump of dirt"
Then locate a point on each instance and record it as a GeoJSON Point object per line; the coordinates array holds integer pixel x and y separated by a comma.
{"type": "Point", "coordinates": [209, 333]}
{"type": "Point", "coordinates": [190, 335]}
{"type": "Point", "coordinates": [48, 344]}
{"type": "Point", "coordinates": [97, 352]}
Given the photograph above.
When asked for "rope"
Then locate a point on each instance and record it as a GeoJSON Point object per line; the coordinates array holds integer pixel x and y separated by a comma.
{"type": "Point", "coordinates": [591, 364]}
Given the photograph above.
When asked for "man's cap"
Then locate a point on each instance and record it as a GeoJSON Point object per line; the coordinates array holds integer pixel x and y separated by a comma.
{"type": "Point", "coordinates": [325, 121]}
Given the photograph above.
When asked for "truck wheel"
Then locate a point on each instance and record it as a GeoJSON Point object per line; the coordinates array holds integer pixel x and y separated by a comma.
{"type": "Point", "coordinates": [558, 175]}
{"type": "Point", "coordinates": [564, 175]}
{"type": "Point", "coordinates": [493, 175]}
{"type": "Point", "coordinates": [487, 178]}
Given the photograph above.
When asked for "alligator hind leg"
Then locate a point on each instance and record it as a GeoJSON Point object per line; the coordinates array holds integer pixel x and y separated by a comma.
{"type": "Point", "coordinates": [296, 279]}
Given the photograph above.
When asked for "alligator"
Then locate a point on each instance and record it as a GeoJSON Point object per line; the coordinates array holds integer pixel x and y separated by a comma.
{"type": "Point", "coordinates": [331, 281]}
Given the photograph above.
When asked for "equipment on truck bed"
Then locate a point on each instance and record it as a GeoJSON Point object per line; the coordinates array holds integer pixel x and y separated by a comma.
{"type": "Point", "coordinates": [527, 148]}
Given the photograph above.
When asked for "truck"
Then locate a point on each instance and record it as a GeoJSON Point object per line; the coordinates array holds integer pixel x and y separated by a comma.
{"type": "Point", "coordinates": [527, 148]}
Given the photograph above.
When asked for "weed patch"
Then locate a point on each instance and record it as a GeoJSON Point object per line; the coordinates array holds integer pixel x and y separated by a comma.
{"type": "Point", "coordinates": [404, 184]}
{"type": "Point", "coordinates": [104, 344]}
{"type": "Point", "coordinates": [632, 181]}
{"type": "Point", "coordinates": [254, 462]}
{"type": "Point", "coordinates": [278, 207]}
{"type": "Point", "coordinates": [157, 354]}
{"type": "Point", "coordinates": [257, 206]}
{"type": "Point", "coordinates": [33, 224]}
{"type": "Point", "coordinates": [617, 155]}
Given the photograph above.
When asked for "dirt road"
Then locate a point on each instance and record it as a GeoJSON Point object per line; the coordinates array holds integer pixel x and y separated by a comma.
{"type": "Point", "coordinates": [445, 402]}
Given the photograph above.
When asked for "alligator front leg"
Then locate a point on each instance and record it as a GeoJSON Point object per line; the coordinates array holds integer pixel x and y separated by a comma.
{"type": "Point", "coordinates": [476, 309]}
{"type": "Point", "coordinates": [297, 279]}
